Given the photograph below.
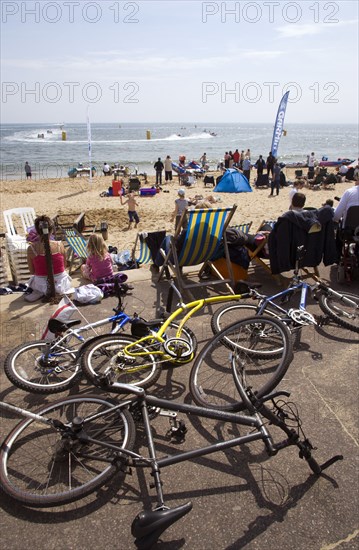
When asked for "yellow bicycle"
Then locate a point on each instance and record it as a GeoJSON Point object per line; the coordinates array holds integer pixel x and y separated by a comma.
{"type": "Point", "coordinates": [263, 343]}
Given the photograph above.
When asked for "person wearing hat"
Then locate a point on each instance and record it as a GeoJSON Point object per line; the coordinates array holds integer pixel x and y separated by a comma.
{"type": "Point", "coordinates": [180, 206]}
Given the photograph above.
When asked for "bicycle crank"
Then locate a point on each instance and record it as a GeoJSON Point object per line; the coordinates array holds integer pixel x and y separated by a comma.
{"type": "Point", "coordinates": [302, 317]}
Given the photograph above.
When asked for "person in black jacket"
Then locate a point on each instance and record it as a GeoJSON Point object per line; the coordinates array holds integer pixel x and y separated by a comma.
{"type": "Point", "coordinates": [159, 166]}
{"type": "Point", "coordinates": [312, 228]}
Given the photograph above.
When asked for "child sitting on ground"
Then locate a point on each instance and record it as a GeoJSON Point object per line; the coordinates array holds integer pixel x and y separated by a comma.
{"type": "Point", "coordinates": [132, 214]}
{"type": "Point", "coordinates": [99, 262]}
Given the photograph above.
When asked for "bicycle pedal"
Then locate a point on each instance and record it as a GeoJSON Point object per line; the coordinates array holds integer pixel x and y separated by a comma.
{"type": "Point", "coordinates": [323, 320]}
{"type": "Point", "coordinates": [178, 432]}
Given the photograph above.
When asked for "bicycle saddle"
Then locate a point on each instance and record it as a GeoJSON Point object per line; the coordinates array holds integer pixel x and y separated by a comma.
{"type": "Point", "coordinates": [56, 326]}
{"type": "Point", "coordinates": [148, 525]}
{"type": "Point", "coordinates": [242, 287]}
{"type": "Point", "coordinates": [140, 327]}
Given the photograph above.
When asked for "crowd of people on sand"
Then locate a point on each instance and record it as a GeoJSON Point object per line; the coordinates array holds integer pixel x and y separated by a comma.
{"type": "Point", "coordinates": [100, 264]}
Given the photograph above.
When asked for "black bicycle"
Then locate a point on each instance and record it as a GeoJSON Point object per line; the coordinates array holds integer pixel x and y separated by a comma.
{"type": "Point", "coordinates": [69, 448]}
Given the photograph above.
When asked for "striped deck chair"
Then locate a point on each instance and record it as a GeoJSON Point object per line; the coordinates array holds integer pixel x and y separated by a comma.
{"type": "Point", "coordinates": [76, 245]}
{"type": "Point", "coordinates": [205, 230]}
{"type": "Point", "coordinates": [147, 253]}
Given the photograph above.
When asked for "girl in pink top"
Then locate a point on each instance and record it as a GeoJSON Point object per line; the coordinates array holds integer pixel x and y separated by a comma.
{"type": "Point", "coordinates": [99, 262]}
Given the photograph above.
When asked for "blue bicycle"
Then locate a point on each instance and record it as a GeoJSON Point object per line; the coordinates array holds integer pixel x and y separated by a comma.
{"type": "Point", "coordinates": [340, 307]}
{"type": "Point", "coordinates": [47, 367]}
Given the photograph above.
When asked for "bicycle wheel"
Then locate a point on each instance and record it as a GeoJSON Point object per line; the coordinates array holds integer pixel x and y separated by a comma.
{"type": "Point", "coordinates": [42, 465]}
{"type": "Point", "coordinates": [235, 311]}
{"type": "Point", "coordinates": [345, 315]}
{"type": "Point", "coordinates": [105, 356]}
{"type": "Point", "coordinates": [30, 367]}
{"type": "Point", "coordinates": [211, 381]}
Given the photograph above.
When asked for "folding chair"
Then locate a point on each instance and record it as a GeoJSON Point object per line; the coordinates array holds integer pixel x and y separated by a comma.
{"type": "Point", "coordinates": [205, 231]}
{"type": "Point", "coordinates": [76, 248]}
{"type": "Point", "coordinates": [240, 273]}
{"type": "Point", "coordinates": [149, 246]}
{"type": "Point", "coordinates": [256, 254]}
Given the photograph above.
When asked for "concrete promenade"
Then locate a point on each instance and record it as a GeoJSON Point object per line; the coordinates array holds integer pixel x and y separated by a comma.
{"type": "Point", "coordinates": [241, 498]}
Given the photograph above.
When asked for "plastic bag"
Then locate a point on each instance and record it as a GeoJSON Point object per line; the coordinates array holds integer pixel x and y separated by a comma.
{"type": "Point", "coordinates": [123, 257]}
{"type": "Point", "coordinates": [63, 313]}
{"type": "Point", "coordinates": [88, 294]}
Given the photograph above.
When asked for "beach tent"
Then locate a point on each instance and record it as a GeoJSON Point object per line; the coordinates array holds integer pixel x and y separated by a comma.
{"type": "Point", "coordinates": [233, 181]}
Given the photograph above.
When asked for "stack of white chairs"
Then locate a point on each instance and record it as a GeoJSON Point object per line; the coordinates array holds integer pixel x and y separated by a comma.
{"type": "Point", "coordinates": [17, 222]}
{"type": "Point", "coordinates": [4, 279]}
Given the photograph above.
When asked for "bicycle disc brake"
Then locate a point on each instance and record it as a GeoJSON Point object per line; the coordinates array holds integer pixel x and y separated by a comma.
{"type": "Point", "coordinates": [302, 317]}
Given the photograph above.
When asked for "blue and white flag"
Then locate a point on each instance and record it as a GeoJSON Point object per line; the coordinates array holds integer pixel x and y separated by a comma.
{"type": "Point", "coordinates": [89, 141]}
{"type": "Point", "coordinates": [278, 127]}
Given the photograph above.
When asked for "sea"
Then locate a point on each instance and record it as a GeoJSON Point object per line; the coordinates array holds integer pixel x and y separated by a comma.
{"type": "Point", "coordinates": [50, 156]}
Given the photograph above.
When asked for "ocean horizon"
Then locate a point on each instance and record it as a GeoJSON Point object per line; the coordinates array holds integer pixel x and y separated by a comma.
{"type": "Point", "coordinates": [50, 156]}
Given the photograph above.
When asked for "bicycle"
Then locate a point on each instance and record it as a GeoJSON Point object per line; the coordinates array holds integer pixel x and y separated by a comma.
{"type": "Point", "coordinates": [78, 444]}
{"type": "Point", "coordinates": [47, 367]}
{"type": "Point", "coordinates": [341, 307]}
{"type": "Point", "coordinates": [120, 356]}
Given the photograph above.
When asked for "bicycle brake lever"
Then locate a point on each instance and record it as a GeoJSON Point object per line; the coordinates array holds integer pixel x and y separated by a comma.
{"type": "Point", "coordinates": [331, 461]}
{"type": "Point", "coordinates": [273, 395]}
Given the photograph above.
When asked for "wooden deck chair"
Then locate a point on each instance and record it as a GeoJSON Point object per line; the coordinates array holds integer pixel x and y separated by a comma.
{"type": "Point", "coordinates": [205, 230]}
{"type": "Point", "coordinates": [245, 227]}
{"type": "Point", "coordinates": [76, 245]}
{"type": "Point", "coordinates": [239, 272]}
{"type": "Point", "coordinates": [146, 256]}
{"type": "Point", "coordinates": [255, 255]}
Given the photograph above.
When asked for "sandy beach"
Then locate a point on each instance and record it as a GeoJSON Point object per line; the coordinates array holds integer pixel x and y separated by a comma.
{"type": "Point", "coordinates": [73, 196]}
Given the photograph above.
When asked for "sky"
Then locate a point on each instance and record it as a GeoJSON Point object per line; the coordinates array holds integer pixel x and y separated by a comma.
{"type": "Point", "coordinates": [163, 61]}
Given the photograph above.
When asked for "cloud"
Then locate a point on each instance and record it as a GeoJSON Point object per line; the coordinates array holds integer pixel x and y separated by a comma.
{"type": "Point", "coordinates": [294, 31]}
{"type": "Point", "coordinates": [311, 29]}
{"type": "Point", "coordinates": [262, 54]}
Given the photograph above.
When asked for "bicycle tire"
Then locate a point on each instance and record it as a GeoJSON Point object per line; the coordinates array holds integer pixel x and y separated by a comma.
{"type": "Point", "coordinates": [344, 315]}
{"type": "Point", "coordinates": [41, 466]}
{"type": "Point", "coordinates": [101, 358]}
{"type": "Point", "coordinates": [235, 311]}
{"type": "Point", "coordinates": [211, 381]}
{"type": "Point", "coordinates": [27, 369]}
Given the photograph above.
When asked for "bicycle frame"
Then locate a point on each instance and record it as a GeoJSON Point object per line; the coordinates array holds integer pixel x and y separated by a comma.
{"type": "Point", "coordinates": [270, 300]}
{"type": "Point", "coordinates": [119, 320]}
{"type": "Point", "coordinates": [190, 308]}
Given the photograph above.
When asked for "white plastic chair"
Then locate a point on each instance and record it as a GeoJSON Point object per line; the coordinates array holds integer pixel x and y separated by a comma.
{"type": "Point", "coordinates": [17, 222]}
{"type": "Point", "coordinates": [25, 215]}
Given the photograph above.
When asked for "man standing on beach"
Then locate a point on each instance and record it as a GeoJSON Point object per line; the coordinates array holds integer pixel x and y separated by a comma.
{"type": "Point", "coordinates": [311, 164]}
{"type": "Point", "coordinates": [28, 170]}
{"type": "Point", "coordinates": [247, 168]}
{"type": "Point", "coordinates": [168, 169]}
{"type": "Point", "coordinates": [158, 166]}
{"type": "Point", "coordinates": [270, 163]}
{"type": "Point", "coordinates": [275, 184]}
{"type": "Point", "coordinates": [259, 165]}
{"type": "Point", "coordinates": [236, 157]}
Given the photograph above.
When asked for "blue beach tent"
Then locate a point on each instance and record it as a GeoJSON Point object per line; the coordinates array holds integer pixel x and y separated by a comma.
{"type": "Point", "coordinates": [233, 181]}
